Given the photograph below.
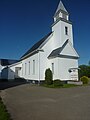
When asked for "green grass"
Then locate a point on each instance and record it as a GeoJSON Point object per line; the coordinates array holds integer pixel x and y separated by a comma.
{"type": "Point", "coordinates": [69, 85]}
{"type": "Point", "coordinates": [4, 115]}
{"type": "Point", "coordinates": [64, 86]}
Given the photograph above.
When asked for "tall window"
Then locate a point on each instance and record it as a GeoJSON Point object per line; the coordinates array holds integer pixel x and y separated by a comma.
{"type": "Point", "coordinates": [53, 68]}
{"type": "Point", "coordinates": [33, 66]}
{"type": "Point", "coordinates": [22, 69]}
{"type": "Point", "coordinates": [29, 67]}
{"type": "Point", "coordinates": [66, 30]}
{"type": "Point", "coordinates": [25, 68]}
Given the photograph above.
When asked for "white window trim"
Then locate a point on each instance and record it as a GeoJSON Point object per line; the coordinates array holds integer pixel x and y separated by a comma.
{"type": "Point", "coordinates": [53, 68]}
{"type": "Point", "coordinates": [25, 68]}
{"type": "Point", "coordinates": [22, 69]}
{"type": "Point", "coordinates": [66, 32]}
{"type": "Point", "coordinates": [33, 67]}
{"type": "Point", "coordinates": [29, 68]}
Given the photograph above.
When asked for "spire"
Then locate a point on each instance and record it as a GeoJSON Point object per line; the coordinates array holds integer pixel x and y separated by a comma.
{"type": "Point", "coordinates": [61, 13]}
{"type": "Point", "coordinates": [61, 7]}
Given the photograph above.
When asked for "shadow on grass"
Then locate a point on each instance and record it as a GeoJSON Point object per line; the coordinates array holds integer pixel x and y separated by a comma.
{"type": "Point", "coordinates": [62, 86]}
{"type": "Point", "coordinates": [4, 115]}
{"type": "Point", "coordinates": [8, 84]}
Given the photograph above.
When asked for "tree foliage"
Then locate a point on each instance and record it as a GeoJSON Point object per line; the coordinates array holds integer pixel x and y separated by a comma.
{"type": "Point", "coordinates": [89, 63]}
{"type": "Point", "coordinates": [48, 77]}
{"type": "Point", "coordinates": [84, 71]}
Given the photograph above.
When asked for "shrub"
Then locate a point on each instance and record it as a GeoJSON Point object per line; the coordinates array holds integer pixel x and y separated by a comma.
{"type": "Point", "coordinates": [57, 83]}
{"type": "Point", "coordinates": [48, 77]}
{"type": "Point", "coordinates": [84, 79]}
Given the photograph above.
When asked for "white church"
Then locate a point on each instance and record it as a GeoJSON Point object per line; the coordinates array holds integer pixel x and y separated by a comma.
{"type": "Point", "coordinates": [55, 51]}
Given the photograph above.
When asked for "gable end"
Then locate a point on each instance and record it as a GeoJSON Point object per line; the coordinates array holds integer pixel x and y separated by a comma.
{"type": "Point", "coordinates": [58, 52]}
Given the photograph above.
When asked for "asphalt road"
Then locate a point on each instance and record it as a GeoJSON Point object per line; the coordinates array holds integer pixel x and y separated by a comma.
{"type": "Point", "coordinates": [26, 102]}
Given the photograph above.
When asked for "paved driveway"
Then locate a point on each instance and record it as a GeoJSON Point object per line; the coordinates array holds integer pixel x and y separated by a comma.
{"type": "Point", "coordinates": [28, 102]}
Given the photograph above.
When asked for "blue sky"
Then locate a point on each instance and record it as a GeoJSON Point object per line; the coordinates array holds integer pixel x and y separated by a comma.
{"type": "Point", "coordinates": [24, 22]}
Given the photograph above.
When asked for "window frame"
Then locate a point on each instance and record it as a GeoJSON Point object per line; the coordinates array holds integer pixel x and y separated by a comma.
{"type": "Point", "coordinates": [22, 69]}
{"type": "Point", "coordinates": [53, 68]}
{"type": "Point", "coordinates": [33, 67]}
{"type": "Point", "coordinates": [25, 68]}
{"type": "Point", "coordinates": [66, 30]}
{"type": "Point", "coordinates": [29, 70]}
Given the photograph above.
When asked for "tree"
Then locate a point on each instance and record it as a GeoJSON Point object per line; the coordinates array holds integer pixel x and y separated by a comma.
{"type": "Point", "coordinates": [89, 63]}
{"type": "Point", "coordinates": [48, 77]}
{"type": "Point", "coordinates": [84, 71]}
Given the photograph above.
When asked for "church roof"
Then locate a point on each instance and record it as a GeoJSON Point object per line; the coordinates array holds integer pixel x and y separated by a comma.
{"type": "Point", "coordinates": [5, 62]}
{"type": "Point", "coordinates": [36, 47]}
{"type": "Point", "coordinates": [56, 52]}
{"type": "Point", "coordinates": [61, 8]}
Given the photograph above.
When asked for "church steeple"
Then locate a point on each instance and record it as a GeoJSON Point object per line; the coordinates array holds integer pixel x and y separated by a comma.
{"type": "Point", "coordinates": [61, 12]}
{"type": "Point", "coordinates": [61, 7]}
{"type": "Point", "coordinates": [62, 26]}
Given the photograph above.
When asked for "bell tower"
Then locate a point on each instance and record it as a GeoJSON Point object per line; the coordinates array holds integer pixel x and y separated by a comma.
{"type": "Point", "coordinates": [62, 26]}
{"type": "Point", "coordinates": [61, 12]}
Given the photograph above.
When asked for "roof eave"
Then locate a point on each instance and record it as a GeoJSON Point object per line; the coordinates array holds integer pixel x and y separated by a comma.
{"type": "Point", "coordinates": [39, 48]}
{"type": "Point", "coordinates": [59, 12]}
{"type": "Point", "coordinates": [64, 56]}
{"type": "Point", "coordinates": [32, 53]}
{"type": "Point", "coordinates": [61, 19]}
{"type": "Point", "coordinates": [14, 64]}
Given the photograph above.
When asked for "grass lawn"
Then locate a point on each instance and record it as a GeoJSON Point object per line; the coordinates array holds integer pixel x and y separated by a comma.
{"type": "Point", "coordinates": [64, 86]}
{"type": "Point", "coordinates": [4, 115]}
